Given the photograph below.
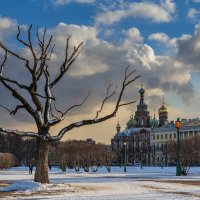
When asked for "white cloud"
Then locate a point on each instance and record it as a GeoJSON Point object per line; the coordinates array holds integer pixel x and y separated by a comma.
{"type": "Point", "coordinates": [150, 11]}
{"type": "Point", "coordinates": [110, 17]}
{"type": "Point", "coordinates": [189, 49]}
{"type": "Point", "coordinates": [163, 38]}
{"type": "Point", "coordinates": [192, 13]}
{"type": "Point", "coordinates": [102, 62]}
{"type": "Point", "coordinates": [7, 27]}
{"type": "Point", "coordinates": [133, 35]}
{"type": "Point", "coordinates": [156, 13]}
{"type": "Point", "coordinates": [64, 2]}
{"type": "Point", "coordinates": [100, 57]}
{"type": "Point", "coordinates": [169, 5]}
{"type": "Point", "coordinates": [88, 58]}
{"type": "Point", "coordinates": [160, 37]}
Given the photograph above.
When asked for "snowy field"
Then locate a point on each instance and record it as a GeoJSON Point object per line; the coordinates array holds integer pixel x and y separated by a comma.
{"type": "Point", "coordinates": [148, 183]}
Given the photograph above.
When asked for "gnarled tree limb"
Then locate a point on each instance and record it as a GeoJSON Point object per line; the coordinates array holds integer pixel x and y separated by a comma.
{"type": "Point", "coordinates": [67, 62]}
{"type": "Point", "coordinates": [118, 104]}
{"type": "Point", "coordinates": [13, 112]}
{"type": "Point", "coordinates": [19, 133]}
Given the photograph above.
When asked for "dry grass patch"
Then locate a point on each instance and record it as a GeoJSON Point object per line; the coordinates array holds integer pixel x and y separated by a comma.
{"type": "Point", "coordinates": [184, 182]}
{"type": "Point", "coordinates": [163, 190]}
{"type": "Point", "coordinates": [68, 190]}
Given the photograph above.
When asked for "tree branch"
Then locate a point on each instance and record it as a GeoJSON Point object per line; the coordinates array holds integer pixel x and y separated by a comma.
{"type": "Point", "coordinates": [19, 133]}
{"type": "Point", "coordinates": [16, 83]}
{"type": "Point", "coordinates": [12, 112]}
{"type": "Point", "coordinates": [57, 120]}
{"type": "Point", "coordinates": [20, 98]}
{"type": "Point", "coordinates": [3, 63]}
{"type": "Point", "coordinates": [67, 61]}
{"type": "Point", "coordinates": [17, 56]}
{"type": "Point", "coordinates": [77, 105]}
{"type": "Point", "coordinates": [45, 52]}
{"type": "Point", "coordinates": [48, 99]}
{"type": "Point", "coordinates": [106, 117]}
{"type": "Point", "coordinates": [108, 96]}
{"type": "Point", "coordinates": [125, 104]}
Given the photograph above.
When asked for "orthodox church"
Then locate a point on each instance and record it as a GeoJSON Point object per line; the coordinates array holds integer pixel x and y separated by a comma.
{"type": "Point", "coordinates": [136, 136]}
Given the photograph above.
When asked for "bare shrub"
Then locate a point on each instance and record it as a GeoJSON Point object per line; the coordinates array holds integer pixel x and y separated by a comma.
{"type": "Point", "coordinates": [7, 161]}
{"type": "Point", "coordinates": [80, 154]}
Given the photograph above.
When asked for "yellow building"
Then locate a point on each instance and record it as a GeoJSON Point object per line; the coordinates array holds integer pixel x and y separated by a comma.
{"type": "Point", "coordinates": [160, 136]}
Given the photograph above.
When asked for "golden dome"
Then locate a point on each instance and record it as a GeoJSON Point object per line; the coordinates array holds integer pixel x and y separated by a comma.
{"type": "Point", "coordinates": [163, 109]}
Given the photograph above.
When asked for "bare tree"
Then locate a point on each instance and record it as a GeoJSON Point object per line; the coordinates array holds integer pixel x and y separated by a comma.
{"type": "Point", "coordinates": [189, 152]}
{"type": "Point", "coordinates": [41, 105]}
{"type": "Point", "coordinates": [80, 154]}
{"type": "Point", "coordinates": [7, 160]}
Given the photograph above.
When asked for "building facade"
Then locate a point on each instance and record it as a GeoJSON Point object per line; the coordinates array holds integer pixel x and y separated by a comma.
{"type": "Point", "coordinates": [146, 139]}
{"type": "Point", "coordinates": [136, 137]}
{"type": "Point", "coordinates": [160, 137]}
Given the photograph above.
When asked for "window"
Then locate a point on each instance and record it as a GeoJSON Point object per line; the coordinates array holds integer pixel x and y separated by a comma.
{"type": "Point", "coordinates": [186, 135]}
{"type": "Point", "coordinates": [161, 136]}
{"type": "Point", "coordinates": [174, 135]}
{"type": "Point", "coordinates": [157, 159]}
{"type": "Point", "coordinates": [170, 136]}
{"type": "Point", "coordinates": [165, 136]}
{"type": "Point", "coordinates": [157, 137]}
{"type": "Point", "coordinates": [154, 137]}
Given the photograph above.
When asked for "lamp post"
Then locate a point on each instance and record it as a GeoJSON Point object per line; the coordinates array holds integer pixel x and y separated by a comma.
{"type": "Point", "coordinates": [141, 159]}
{"type": "Point", "coordinates": [125, 156]}
{"type": "Point", "coordinates": [178, 166]}
{"type": "Point", "coordinates": [162, 161]}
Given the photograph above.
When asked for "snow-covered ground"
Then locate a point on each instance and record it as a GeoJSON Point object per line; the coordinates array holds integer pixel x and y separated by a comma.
{"type": "Point", "coordinates": [148, 183]}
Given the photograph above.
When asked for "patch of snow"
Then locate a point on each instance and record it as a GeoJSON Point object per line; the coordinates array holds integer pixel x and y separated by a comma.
{"type": "Point", "coordinates": [31, 186]}
{"type": "Point", "coordinates": [78, 123]}
{"type": "Point", "coordinates": [149, 183]}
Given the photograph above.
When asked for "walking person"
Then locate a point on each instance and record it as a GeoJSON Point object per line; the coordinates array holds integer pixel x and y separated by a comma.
{"type": "Point", "coordinates": [30, 168]}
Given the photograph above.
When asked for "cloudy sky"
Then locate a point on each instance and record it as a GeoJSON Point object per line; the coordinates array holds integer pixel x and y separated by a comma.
{"type": "Point", "coordinates": [158, 38]}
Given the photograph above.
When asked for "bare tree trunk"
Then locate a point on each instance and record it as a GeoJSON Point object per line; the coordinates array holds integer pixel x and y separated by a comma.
{"type": "Point", "coordinates": [41, 173]}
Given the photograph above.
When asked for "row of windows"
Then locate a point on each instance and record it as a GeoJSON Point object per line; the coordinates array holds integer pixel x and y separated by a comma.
{"type": "Point", "coordinates": [165, 136]}
{"type": "Point", "coordinates": [185, 135]}
{"type": "Point", "coordinates": [173, 135]}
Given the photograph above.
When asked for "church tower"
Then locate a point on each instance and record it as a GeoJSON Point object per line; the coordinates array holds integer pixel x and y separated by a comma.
{"type": "Point", "coordinates": [154, 121]}
{"type": "Point", "coordinates": [142, 114]}
{"type": "Point", "coordinates": [118, 127]}
{"type": "Point", "coordinates": [163, 114]}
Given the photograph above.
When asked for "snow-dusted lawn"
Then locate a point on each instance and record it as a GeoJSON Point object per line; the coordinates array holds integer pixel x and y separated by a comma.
{"type": "Point", "coordinates": [147, 183]}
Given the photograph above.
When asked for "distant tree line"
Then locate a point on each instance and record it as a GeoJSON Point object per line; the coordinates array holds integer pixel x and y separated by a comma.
{"type": "Point", "coordinates": [23, 149]}
{"type": "Point", "coordinates": [89, 156]}
{"type": "Point", "coordinates": [80, 154]}
{"type": "Point", "coordinates": [68, 154]}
